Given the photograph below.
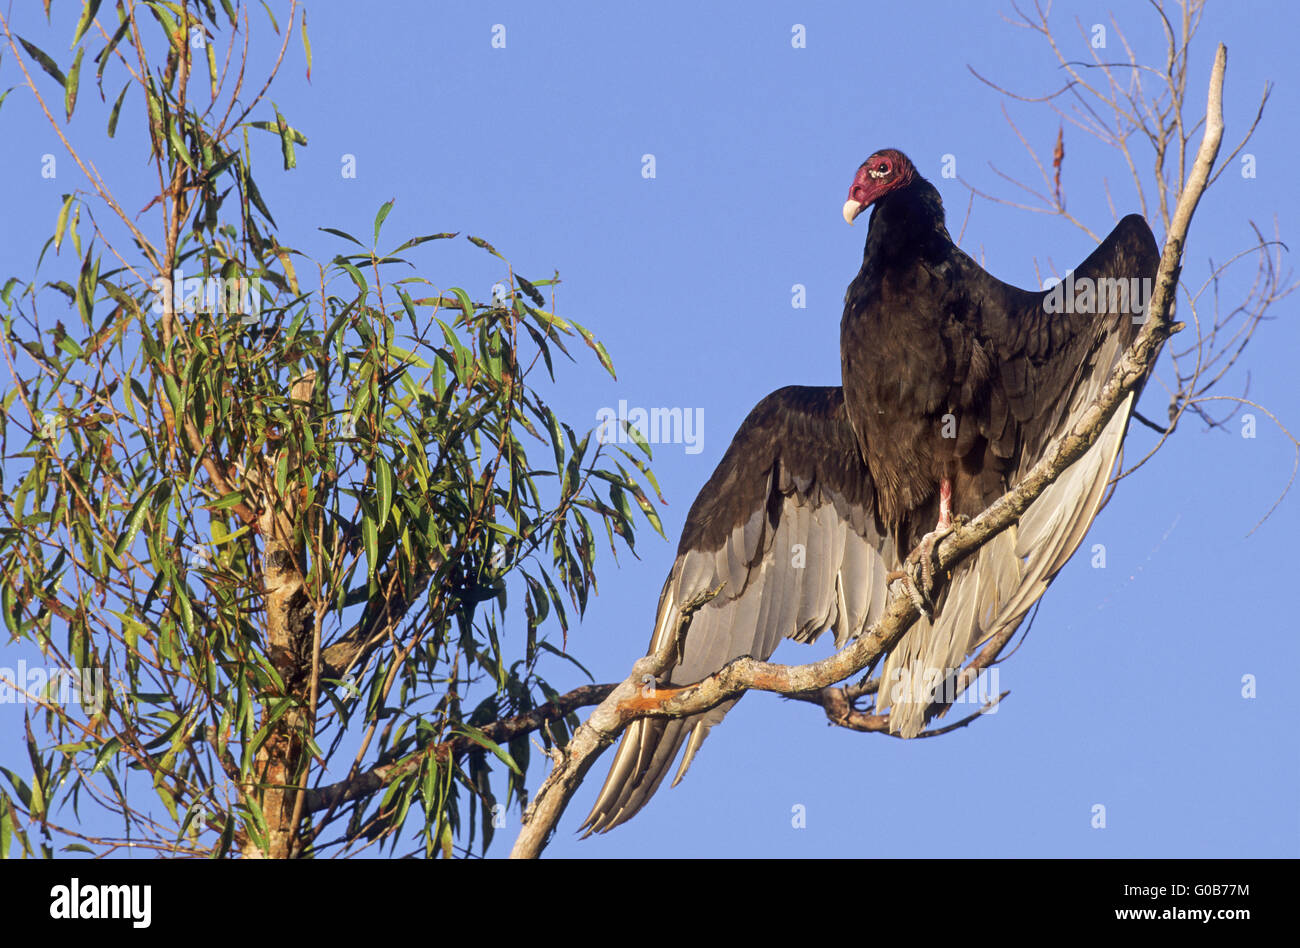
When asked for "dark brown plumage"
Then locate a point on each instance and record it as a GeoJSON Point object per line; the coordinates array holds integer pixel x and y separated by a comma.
{"type": "Point", "coordinates": [954, 385]}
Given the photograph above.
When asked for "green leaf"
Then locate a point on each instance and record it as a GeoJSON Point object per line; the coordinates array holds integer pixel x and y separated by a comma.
{"type": "Point", "coordinates": [645, 470]}
{"type": "Point", "coordinates": [69, 345]}
{"type": "Point", "coordinates": [370, 536]}
{"type": "Point", "coordinates": [598, 347]}
{"type": "Point", "coordinates": [275, 26]}
{"type": "Point", "coordinates": [550, 319]}
{"type": "Point", "coordinates": [226, 500]}
{"type": "Point", "coordinates": [87, 283]}
{"type": "Point", "coordinates": [182, 150]}
{"type": "Point", "coordinates": [168, 23]}
{"type": "Point", "coordinates": [533, 293]}
{"type": "Point", "coordinates": [384, 481]}
{"type": "Point", "coordinates": [263, 732]}
{"type": "Point", "coordinates": [306, 43]}
{"type": "Point", "coordinates": [634, 433]}
{"type": "Point", "coordinates": [343, 234]}
{"type": "Point", "coordinates": [557, 440]}
{"type": "Point", "coordinates": [154, 105]}
{"type": "Point", "coordinates": [9, 607]}
{"type": "Point", "coordinates": [6, 826]}
{"type": "Point", "coordinates": [124, 299]}
{"type": "Point", "coordinates": [210, 54]}
{"type": "Point", "coordinates": [276, 128]}
{"type": "Point", "coordinates": [466, 305]}
{"type": "Point", "coordinates": [353, 272]}
{"type": "Point", "coordinates": [282, 474]}
{"type": "Point", "coordinates": [88, 13]}
{"type": "Point", "coordinates": [106, 754]}
{"type": "Point", "coordinates": [186, 609]}
{"type": "Point", "coordinates": [462, 355]}
{"type": "Point", "coordinates": [383, 213]}
{"type": "Point", "coordinates": [62, 222]}
{"type": "Point", "coordinates": [40, 774]}
{"type": "Point", "coordinates": [134, 520]}
{"type": "Point", "coordinates": [406, 303]}
{"type": "Point", "coordinates": [286, 140]}
{"type": "Point", "coordinates": [20, 786]}
{"type": "Point", "coordinates": [74, 80]}
{"type": "Point", "coordinates": [480, 242]}
{"type": "Point", "coordinates": [482, 740]}
{"type": "Point", "coordinates": [169, 801]}
{"type": "Point", "coordinates": [106, 53]}
{"type": "Point", "coordinates": [415, 241]}
{"type": "Point", "coordinates": [255, 824]}
{"type": "Point", "coordinates": [117, 108]}
{"type": "Point", "coordinates": [44, 61]}
{"type": "Point", "coordinates": [255, 196]}
{"type": "Point", "coordinates": [548, 647]}
{"type": "Point", "coordinates": [619, 500]}
{"type": "Point", "coordinates": [646, 507]}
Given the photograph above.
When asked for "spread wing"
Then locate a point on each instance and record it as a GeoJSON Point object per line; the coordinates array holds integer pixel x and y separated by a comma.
{"type": "Point", "coordinates": [788, 522]}
{"type": "Point", "coordinates": [1039, 368]}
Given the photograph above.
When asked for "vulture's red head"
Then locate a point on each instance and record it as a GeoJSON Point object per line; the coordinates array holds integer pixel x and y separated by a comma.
{"type": "Point", "coordinates": [883, 172]}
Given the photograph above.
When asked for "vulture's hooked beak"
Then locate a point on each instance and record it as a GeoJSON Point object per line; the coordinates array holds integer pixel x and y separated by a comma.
{"type": "Point", "coordinates": [852, 209]}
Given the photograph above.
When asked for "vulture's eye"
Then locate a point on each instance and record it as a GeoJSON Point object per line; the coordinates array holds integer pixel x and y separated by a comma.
{"type": "Point", "coordinates": [882, 168]}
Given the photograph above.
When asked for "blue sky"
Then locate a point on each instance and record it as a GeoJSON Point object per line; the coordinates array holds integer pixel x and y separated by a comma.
{"type": "Point", "coordinates": [1128, 691]}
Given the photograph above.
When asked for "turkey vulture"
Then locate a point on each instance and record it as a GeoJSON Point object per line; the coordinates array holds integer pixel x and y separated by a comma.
{"type": "Point", "coordinates": [954, 385]}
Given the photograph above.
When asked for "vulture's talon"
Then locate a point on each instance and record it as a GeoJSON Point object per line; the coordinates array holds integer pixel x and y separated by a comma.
{"type": "Point", "coordinates": [918, 590]}
{"type": "Point", "coordinates": [912, 586]}
{"type": "Point", "coordinates": [920, 573]}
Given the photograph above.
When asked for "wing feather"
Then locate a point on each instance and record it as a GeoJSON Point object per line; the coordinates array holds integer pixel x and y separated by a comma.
{"type": "Point", "coordinates": [1047, 368]}
{"type": "Point", "coordinates": [788, 520]}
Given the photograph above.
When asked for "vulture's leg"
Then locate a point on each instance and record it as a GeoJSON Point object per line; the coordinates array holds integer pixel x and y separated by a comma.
{"type": "Point", "coordinates": [945, 506]}
{"type": "Point", "coordinates": [920, 584]}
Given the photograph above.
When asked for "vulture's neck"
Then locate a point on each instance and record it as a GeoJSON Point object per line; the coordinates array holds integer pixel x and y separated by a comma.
{"type": "Point", "coordinates": [906, 224]}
